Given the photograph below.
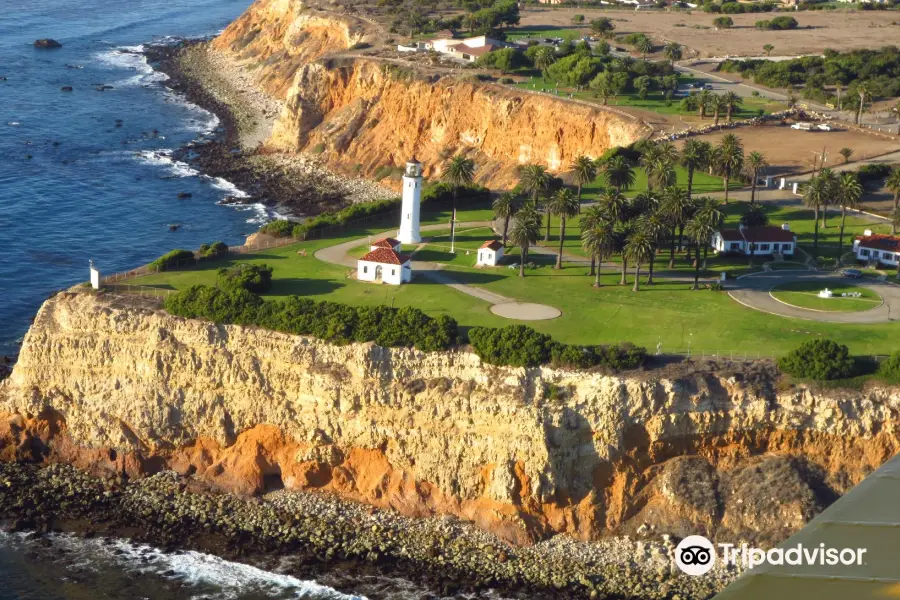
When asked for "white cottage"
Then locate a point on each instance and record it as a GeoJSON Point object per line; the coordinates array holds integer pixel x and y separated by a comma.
{"type": "Point", "coordinates": [389, 243]}
{"type": "Point", "coordinates": [755, 240]}
{"type": "Point", "coordinates": [490, 253]}
{"type": "Point", "coordinates": [384, 265]}
{"type": "Point", "coordinates": [875, 247]}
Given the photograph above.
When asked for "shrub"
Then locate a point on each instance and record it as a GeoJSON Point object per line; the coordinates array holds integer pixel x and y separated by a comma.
{"type": "Point", "coordinates": [337, 323]}
{"type": "Point", "coordinates": [723, 22]}
{"type": "Point", "coordinates": [507, 80]}
{"type": "Point", "coordinates": [213, 250]}
{"type": "Point", "coordinates": [279, 228]}
{"type": "Point", "coordinates": [873, 172]}
{"type": "Point", "coordinates": [513, 345]}
{"type": "Point", "coordinates": [890, 368]}
{"type": "Point", "coordinates": [732, 8]}
{"type": "Point", "coordinates": [253, 278]}
{"type": "Point", "coordinates": [318, 148]}
{"type": "Point", "coordinates": [778, 23]}
{"type": "Point", "coordinates": [171, 259]}
{"type": "Point", "coordinates": [819, 359]}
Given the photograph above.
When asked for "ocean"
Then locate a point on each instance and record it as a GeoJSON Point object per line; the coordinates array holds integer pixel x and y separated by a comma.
{"type": "Point", "coordinates": [87, 174]}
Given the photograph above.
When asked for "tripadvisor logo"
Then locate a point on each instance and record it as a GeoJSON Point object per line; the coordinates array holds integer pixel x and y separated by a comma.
{"type": "Point", "coordinates": [696, 555]}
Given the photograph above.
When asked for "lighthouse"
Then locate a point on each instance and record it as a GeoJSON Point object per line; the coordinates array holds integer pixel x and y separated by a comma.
{"type": "Point", "coordinates": [412, 198]}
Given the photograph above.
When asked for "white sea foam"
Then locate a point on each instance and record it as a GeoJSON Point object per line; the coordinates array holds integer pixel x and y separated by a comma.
{"type": "Point", "coordinates": [228, 187]}
{"type": "Point", "coordinates": [163, 158]}
{"type": "Point", "coordinates": [200, 120]}
{"type": "Point", "coordinates": [131, 58]}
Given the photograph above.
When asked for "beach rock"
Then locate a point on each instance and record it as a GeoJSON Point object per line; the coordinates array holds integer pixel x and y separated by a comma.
{"type": "Point", "coordinates": [66, 88]}
{"type": "Point", "coordinates": [174, 227]}
{"type": "Point", "coordinates": [183, 195]}
{"type": "Point", "coordinates": [47, 43]}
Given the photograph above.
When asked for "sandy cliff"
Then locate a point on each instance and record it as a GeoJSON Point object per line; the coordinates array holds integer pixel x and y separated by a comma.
{"type": "Point", "coordinates": [109, 386]}
{"type": "Point", "coordinates": [362, 113]}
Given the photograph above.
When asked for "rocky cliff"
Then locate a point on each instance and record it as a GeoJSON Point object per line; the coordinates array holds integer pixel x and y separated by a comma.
{"type": "Point", "coordinates": [110, 386]}
{"type": "Point", "coordinates": [363, 113]}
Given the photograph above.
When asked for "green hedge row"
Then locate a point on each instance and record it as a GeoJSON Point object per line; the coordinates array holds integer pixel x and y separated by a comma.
{"type": "Point", "coordinates": [171, 259]}
{"type": "Point", "coordinates": [215, 249]}
{"type": "Point", "coordinates": [331, 321]}
{"type": "Point", "coordinates": [521, 346]}
{"type": "Point", "coordinates": [431, 193]}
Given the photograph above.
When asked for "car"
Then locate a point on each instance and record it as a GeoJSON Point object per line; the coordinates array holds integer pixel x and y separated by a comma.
{"type": "Point", "coordinates": [802, 126]}
{"type": "Point", "coordinates": [823, 127]}
{"type": "Point", "coordinates": [851, 273]}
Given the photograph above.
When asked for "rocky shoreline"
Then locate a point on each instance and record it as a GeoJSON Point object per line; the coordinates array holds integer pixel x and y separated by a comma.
{"type": "Point", "coordinates": [293, 185]}
{"type": "Point", "coordinates": [321, 535]}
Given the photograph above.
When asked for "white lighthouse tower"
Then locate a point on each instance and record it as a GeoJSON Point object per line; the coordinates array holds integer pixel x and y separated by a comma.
{"type": "Point", "coordinates": [412, 199]}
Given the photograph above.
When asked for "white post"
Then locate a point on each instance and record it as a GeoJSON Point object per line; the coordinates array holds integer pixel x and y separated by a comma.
{"type": "Point", "coordinates": [95, 276]}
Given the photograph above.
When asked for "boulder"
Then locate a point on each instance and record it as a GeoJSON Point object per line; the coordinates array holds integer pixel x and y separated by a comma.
{"type": "Point", "coordinates": [47, 43]}
{"type": "Point", "coordinates": [66, 88]}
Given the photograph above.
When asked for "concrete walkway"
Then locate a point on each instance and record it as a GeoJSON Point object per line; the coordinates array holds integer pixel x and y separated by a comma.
{"type": "Point", "coordinates": [753, 292]}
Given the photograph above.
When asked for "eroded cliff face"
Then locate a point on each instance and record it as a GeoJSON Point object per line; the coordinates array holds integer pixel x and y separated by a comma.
{"type": "Point", "coordinates": [364, 113]}
{"type": "Point", "coordinates": [112, 387]}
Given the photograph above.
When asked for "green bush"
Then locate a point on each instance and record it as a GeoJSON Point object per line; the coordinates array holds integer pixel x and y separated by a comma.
{"type": "Point", "coordinates": [253, 278]}
{"type": "Point", "coordinates": [819, 359]}
{"type": "Point", "coordinates": [171, 259]}
{"type": "Point", "coordinates": [213, 250]}
{"type": "Point", "coordinates": [873, 172]}
{"type": "Point", "coordinates": [778, 23]}
{"type": "Point", "coordinates": [723, 22]}
{"type": "Point", "coordinates": [890, 368]}
{"type": "Point", "coordinates": [331, 321]}
{"type": "Point", "coordinates": [318, 148]}
{"type": "Point", "coordinates": [279, 228]}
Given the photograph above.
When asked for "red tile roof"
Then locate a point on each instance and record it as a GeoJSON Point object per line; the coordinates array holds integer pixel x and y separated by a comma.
{"type": "Point", "coordinates": [757, 234]}
{"type": "Point", "coordinates": [880, 242]}
{"type": "Point", "coordinates": [386, 243]}
{"type": "Point", "coordinates": [492, 244]}
{"type": "Point", "coordinates": [385, 256]}
{"type": "Point", "coordinates": [477, 51]}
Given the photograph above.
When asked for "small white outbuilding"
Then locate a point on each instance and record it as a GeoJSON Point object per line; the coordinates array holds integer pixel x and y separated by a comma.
{"type": "Point", "coordinates": [384, 265]}
{"type": "Point", "coordinates": [490, 253]}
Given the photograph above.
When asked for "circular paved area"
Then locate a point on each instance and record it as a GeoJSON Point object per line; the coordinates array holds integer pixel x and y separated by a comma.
{"type": "Point", "coordinates": [753, 291]}
{"type": "Point", "coordinates": [525, 311]}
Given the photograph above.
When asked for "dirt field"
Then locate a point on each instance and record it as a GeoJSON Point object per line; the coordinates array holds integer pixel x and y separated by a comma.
{"type": "Point", "coordinates": [818, 30]}
{"type": "Point", "coordinates": [791, 151]}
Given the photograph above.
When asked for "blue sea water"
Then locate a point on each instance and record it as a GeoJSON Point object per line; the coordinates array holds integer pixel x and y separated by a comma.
{"type": "Point", "coordinates": [82, 176]}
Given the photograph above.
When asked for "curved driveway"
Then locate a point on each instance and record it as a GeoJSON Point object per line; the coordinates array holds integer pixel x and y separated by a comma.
{"type": "Point", "coordinates": [753, 291]}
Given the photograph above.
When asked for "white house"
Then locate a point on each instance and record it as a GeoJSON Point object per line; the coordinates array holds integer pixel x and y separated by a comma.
{"type": "Point", "coordinates": [876, 247]}
{"type": "Point", "coordinates": [384, 265]}
{"type": "Point", "coordinates": [467, 50]}
{"type": "Point", "coordinates": [389, 243]}
{"type": "Point", "coordinates": [490, 253]}
{"type": "Point", "coordinates": [755, 240]}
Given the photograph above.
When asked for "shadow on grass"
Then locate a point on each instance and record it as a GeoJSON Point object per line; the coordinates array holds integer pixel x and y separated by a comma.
{"type": "Point", "coordinates": [443, 277]}
{"type": "Point", "coordinates": [295, 286]}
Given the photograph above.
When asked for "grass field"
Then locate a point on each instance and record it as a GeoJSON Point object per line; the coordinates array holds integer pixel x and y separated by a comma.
{"type": "Point", "coordinates": [805, 295]}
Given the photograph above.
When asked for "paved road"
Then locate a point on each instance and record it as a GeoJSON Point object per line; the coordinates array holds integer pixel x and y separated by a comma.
{"type": "Point", "coordinates": [753, 291]}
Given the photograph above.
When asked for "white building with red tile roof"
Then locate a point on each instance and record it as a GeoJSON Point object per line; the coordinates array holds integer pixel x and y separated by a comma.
{"type": "Point", "coordinates": [755, 240]}
{"type": "Point", "coordinates": [877, 247]}
{"type": "Point", "coordinates": [389, 243]}
{"type": "Point", "coordinates": [384, 265]}
{"type": "Point", "coordinates": [490, 253]}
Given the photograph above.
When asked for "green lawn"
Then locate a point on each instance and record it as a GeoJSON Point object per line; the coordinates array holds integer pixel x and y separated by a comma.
{"type": "Point", "coordinates": [545, 32]}
{"type": "Point", "coordinates": [805, 294]}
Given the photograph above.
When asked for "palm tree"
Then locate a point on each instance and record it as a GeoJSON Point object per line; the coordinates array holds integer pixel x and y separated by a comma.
{"type": "Point", "coordinates": [730, 158]}
{"type": "Point", "coordinates": [755, 216]}
{"type": "Point", "coordinates": [459, 171]}
{"type": "Point", "coordinates": [505, 206]}
{"type": "Point", "coordinates": [703, 99]}
{"type": "Point", "coordinates": [893, 184]}
{"type": "Point", "coordinates": [848, 191]}
{"type": "Point", "coordinates": [589, 219]}
{"type": "Point", "coordinates": [694, 155]}
{"type": "Point", "coordinates": [716, 104]}
{"type": "Point", "coordinates": [535, 180]}
{"type": "Point", "coordinates": [677, 209]}
{"type": "Point", "coordinates": [524, 233]}
{"type": "Point", "coordinates": [710, 214]}
{"type": "Point", "coordinates": [815, 193]}
{"type": "Point", "coordinates": [618, 173]}
{"type": "Point", "coordinates": [638, 249]}
{"type": "Point", "coordinates": [598, 238]}
{"type": "Point", "coordinates": [895, 222]}
{"type": "Point", "coordinates": [673, 51]}
{"type": "Point", "coordinates": [731, 102]}
{"type": "Point", "coordinates": [846, 153]}
{"type": "Point", "coordinates": [864, 91]}
{"type": "Point", "coordinates": [543, 58]}
{"type": "Point", "coordinates": [644, 46]}
{"type": "Point", "coordinates": [655, 227]}
{"type": "Point", "coordinates": [831, 184]}
{"type": "Point", "coordinates": [755, 163]}
{"type": "Point", "coordinates": [563, 203]}
{"type": "Point", "coordinates": [615, 206]}
{"type": "Point", "coordinates": [584, 170]}
{"type": "Point", "coordinates": [660, 172]}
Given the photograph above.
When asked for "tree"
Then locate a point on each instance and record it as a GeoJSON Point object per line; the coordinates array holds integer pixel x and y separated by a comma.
{"type": "Point", "coordinates": [578, 19]}
{"type": "Point", "coordinates": [677, 209]}
{"type": "Point", "coordinates": [618, 173]}
{"type": "Point", "coordinates": [505, 206]}
{"type": "Point", "coordinates": [598, 238]}
{"type": "Point", "coordinates": [644, 46]}
{"type": "Point", "coordinates": [673, 51]}
{"type": "Point", "coordinates": [755, 163]}
{"type": "Point", "coordinates": [564, 204]}
{"type": "Point", "coordinates": [893, 184]}
{"type": "Point", "coordinates": [694, 155]}
{"type": "Point", "coordinates": [768, 49]}
{"type": "Point", "coordinates": [848, 191]}
{"type": "Point", "coordinates": [543, 59]}
{"type": "Point", "coordinates": [723, 22]}
{"type": "Point", "coordinates": [535, 180]}
{"type": "Point", "coordinates": [846, 153]}
{"type": "Point", "coordinates": [731, 101]}
{"type": "Point", "coordinates": [642, 85]}
{"type": "Point", "coordinates": [459, 172]}
{"type": "Point", "coordinates": [584, 171]}
{"type": "Point", "coordinates": [602, 26]}
{"type": "Point", "coordinates": [655, 227]}
{"type": "Point", "coordinates": [705, 222]}
{"type": "Point", "coordinates": [717, 105]}
{"type": "Point", "coordinates": [895, 222]}
{"type": "Point", "coordinates": [603, 85]}
{"type": "Point", "coordinates": [730, 158]}
{"type": "Point", "coordinates": [703, 99]}
{"type": "Point", "coordinates": [864, 91]}
{"type": "Point", "coordinates": [754, 216]}
{"type": "Point", "coordinates": [615, 206]}
{"type": "Point", "coordinates": [524, 233]}
{"type": "Point", "coordinates": [638, 249]}
{"type": "Point", "coordinates": [815, 194]}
